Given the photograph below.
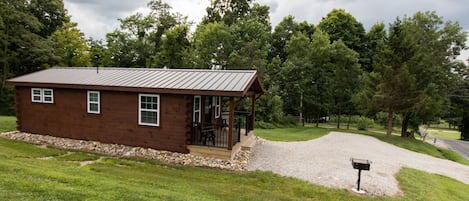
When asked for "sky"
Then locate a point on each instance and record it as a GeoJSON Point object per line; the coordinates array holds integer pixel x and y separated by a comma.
{"type": "Point", "coordinates": [95, 18]}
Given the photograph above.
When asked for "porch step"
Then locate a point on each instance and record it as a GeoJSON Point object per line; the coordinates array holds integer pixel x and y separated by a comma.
{"type": "Point", "coordinates": [249, 143]}
{"type": "Point", "coordinates": [210, 152]}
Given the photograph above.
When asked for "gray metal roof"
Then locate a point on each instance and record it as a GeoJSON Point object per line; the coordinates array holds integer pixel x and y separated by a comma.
{"type": "Point", "coordinates": [171, 79]}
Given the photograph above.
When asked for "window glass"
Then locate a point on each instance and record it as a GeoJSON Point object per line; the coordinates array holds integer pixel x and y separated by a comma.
{"type": "Point", "coordinates": [93, 102]}
{"type": "Point", "coordinates": [149, 109]}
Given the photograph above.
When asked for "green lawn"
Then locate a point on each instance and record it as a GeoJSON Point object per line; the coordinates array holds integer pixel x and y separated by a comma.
{"type": "Point", "coordinates": [30, 172]}
{"type": "Point", "coordinates": [7, 123]}
{"type": "Point", "coordinates": [444, 133]}
{"type": "Point", "coordinates": [291, 134]}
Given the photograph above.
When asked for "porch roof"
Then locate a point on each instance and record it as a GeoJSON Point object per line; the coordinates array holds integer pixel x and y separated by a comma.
{"type": "Point", "coordinates": [150, 80]}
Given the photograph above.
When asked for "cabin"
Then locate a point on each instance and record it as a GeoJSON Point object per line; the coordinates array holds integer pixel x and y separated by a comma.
{"type": "Point", "coordinates": [180, 110]}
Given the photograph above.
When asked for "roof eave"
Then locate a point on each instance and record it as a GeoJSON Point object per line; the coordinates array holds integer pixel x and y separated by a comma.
{"type": "Point", "coordinates": [132, 89]}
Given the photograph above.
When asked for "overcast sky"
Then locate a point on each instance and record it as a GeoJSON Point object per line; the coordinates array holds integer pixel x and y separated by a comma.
{"type": "Point", "coordinates": [95, 18]}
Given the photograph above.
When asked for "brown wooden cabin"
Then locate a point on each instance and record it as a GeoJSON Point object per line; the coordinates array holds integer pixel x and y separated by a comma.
{"type": "Point", "coordinates": [187, 111]}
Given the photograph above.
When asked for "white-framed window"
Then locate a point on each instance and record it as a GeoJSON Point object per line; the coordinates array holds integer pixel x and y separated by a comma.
{"type": "Point", "coordinates": [48, 96]}
{"type": "Point", "coordinates": [149, 109]}
{"type": "Point", "coordinates": [197, 106]}
{"type": "Point", "coordinates": [36, 95]}
{"type": "Point", "coordinates": [93, 103]}
{"type": "Point", "coordinates": [41, 95]}
{"type": "Point", "coordinates": [217, 106]}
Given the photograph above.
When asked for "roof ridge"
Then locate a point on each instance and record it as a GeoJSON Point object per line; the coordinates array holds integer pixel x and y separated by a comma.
{"type": "Point", "coordinates": [156, 69]}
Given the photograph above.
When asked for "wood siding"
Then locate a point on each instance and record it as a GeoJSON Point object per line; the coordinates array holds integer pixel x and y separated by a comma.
{"type": "Point", "coordinates": [117, 123]}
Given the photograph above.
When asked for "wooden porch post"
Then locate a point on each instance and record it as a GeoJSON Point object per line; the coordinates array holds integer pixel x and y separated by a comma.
{"type": "Point", "coordinates": [253, 111]}
{"type": "Point", "coordinates": [230, 123]}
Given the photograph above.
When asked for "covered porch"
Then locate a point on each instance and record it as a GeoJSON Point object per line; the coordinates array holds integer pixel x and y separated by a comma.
{"type": "Point", "coordinates": [224, 125]}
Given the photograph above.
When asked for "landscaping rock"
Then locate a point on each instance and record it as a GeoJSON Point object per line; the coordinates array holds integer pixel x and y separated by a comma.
{"type": "Point", "coordinates": [239, 163]}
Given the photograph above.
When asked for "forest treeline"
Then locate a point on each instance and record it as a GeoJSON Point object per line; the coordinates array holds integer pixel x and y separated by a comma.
{"type": "Point", "coordinates": [407, 68]}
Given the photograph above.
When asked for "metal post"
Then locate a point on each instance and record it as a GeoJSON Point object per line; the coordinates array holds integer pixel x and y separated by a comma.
{"type": "Point", "coordinates": [358, 182]}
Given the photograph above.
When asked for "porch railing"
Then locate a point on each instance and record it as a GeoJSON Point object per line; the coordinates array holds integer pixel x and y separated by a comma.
{"type": "Point", "coordinates": [216, 135]}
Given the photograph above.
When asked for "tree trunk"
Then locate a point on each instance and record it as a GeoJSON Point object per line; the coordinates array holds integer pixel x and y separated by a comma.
{"type": "Point", "coordinates": [348, 121]}
{"type": "Point", "coordinates": [465, 126]}
{"type": "Point", "coordinates": [405, 125]}
{"type": "Point", "coordinates": [338, 118]}
{"type": "Point", "coordinates": [317, 119]}
{"type": "Point", "coordinates": [389, 127]}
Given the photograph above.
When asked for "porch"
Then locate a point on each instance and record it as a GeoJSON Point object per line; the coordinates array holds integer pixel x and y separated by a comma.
{"type": "Point", "coordinates": [216, 140]}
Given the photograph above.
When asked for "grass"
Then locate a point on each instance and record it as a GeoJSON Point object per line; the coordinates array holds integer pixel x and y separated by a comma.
{"type": "Point", "coordinates": [444, 133]}
{"type": "Point", "coordinates": [7, 123]}
{"type": "Point", "coordinates": [291, 134]}
{"type": "Point", "coordinates": [25, 176]}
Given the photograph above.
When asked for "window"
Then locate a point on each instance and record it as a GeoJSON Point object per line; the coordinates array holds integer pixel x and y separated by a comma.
{"type": "Point", "coordinates": [148, 110]}
{"type": "Point", "coordinates": [36, 95]}
{"type": "Point", "coordinates": [197, 106]}
{"type": "Point", "coordinates": [217, 106]}
{"type": "Point", "coordinates": [93, 102]}
{"type": "Point", "coordinates": [39, 95]}
{"type": "Point", "coordinates": [48, 96]}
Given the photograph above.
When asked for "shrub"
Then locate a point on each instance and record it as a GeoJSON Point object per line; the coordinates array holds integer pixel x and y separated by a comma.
{"type": "Point", "coordinates": [364, 123]}
{"type": "Point", "coordinates": [264, 125]}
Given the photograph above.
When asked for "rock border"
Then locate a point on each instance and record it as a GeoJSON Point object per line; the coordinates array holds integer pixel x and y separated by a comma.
{"type": "Point", "coordinates": [238, 164]}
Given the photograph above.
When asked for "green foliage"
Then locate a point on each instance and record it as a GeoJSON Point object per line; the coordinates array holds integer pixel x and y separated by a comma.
{"type": "Point", "coordinates": [410, 72]}
{"type": "Point", "coordinates": [364, 123]}
{"type": "Point", "coordinates": [213, 44]}
{"type": "Point", "coordinates": [141, 39]}
{"type": "Point", "coordinates": [7, 123]}
{"type": "Point", "coordinates": [70, 46]}
{"type": "Point", "coordinates": [174, 48]}
{"type": "Point", "coordinates": [264, 125]}
{"type": "Point", "coordinates": [340, 25]}
{"type": "Point", "coordinates": [7, 101]}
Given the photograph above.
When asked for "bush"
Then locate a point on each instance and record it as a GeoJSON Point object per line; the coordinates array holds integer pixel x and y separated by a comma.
{"type": "Point", "coordinates": [287, 121]}
{"type": "Point", "coordinates": [364, 123]}
{"type": "Point", "coordinates": [264, 125]}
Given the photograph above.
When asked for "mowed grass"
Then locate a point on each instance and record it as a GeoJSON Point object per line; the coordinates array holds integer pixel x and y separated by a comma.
{"type": "Point", "coordinates": [30, 172]}
{"type": "Point", "coordinates": [291, 134]}
{"type": "Point", "coordinates": [443, 133]}
{"type": "Point", "coordinates": [7, 123]}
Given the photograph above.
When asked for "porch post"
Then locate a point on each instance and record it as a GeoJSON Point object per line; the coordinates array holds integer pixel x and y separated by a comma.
{"type": "Point", "coordinates": [253, 111]}
{"type": "Point", "coordinates": [230, 123]}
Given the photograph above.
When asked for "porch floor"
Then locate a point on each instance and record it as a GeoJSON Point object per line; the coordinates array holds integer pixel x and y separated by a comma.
{"type": "Point", "coordinates": [247, 142]}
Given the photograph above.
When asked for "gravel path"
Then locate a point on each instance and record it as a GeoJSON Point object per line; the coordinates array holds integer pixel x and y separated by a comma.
{"type": "Point", "coordinates": [326, 161]}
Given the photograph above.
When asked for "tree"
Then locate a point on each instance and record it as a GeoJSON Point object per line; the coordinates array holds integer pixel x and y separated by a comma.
{"type": "Point", "coordinates": [139, 39]}
{"type": "Point", "coordinates": [70, 46]}
{"type": "Point", "coordinates": [341, 25]}
{"type": "Point", "coordinates": [282, 33]}
{"type": "Point", "coordinates": [24, 44]}
{"type": "Point", "coordinates": [346, 70]}
{"type": "Point", "coordinates": [213, 45]}
{"type": "Point", "coordinates": [413, 69]}
{"type": "Point", "coordinates": [227, 11]}
{"type": "Point", "coordinates": [174, 48]}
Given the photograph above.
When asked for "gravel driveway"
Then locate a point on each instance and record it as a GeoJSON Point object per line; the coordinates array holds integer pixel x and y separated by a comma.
{"type": "Point", "coordinates": [326, 161]}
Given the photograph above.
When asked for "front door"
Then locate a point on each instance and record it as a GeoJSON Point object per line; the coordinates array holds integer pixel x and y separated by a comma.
{"type": "Point", "coordinates": [208, 110]}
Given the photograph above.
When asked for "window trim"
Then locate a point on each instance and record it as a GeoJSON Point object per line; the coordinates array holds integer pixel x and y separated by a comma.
{"type": "Point", "coordinates": [42, 96]}
{"type": "Point", "coordinates": [217, 106]}
{"type": "Point", "coordinates": [33, 95]}
{"type": "Point", "coordinates": [140, 109]}
{"type": "Point", "coordinates": [199, 110]}
{"type": "Point", "coordinates": [89, 102]}
{"type": "Point", "coordinates": [51, 95]}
